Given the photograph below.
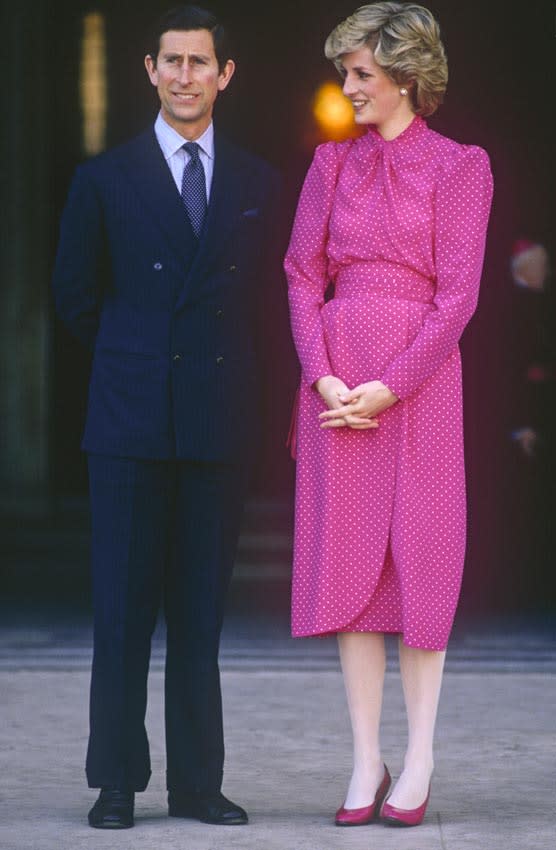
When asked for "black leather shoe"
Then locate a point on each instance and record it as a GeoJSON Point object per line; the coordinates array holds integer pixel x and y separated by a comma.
{"type": "Point", "coordinates": [113, 810]}
{"type": "Point", "coordinates": [208, 808]}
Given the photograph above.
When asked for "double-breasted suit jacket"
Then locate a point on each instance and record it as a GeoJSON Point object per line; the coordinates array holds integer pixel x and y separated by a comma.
{"type": "Point", "coordinates": [174, 322]}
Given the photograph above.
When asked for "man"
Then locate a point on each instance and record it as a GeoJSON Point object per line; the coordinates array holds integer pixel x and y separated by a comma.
{"type": "Point", "coordinates": [159, 270]}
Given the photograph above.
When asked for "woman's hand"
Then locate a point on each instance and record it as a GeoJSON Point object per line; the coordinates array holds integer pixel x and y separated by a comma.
{"type": "Point", "coordinates": [333, 391]}
{"type": "Point", "coordinates": [363, 403]}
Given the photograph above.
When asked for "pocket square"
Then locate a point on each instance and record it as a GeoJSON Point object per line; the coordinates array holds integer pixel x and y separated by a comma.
{"type": "Point", "coordinates": [251, 212]}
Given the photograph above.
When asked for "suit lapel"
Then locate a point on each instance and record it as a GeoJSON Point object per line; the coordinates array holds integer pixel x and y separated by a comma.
{"type": "Point", "coordinates": [228, 190]}
{"type": "Point", "coordinates": [145, 165]}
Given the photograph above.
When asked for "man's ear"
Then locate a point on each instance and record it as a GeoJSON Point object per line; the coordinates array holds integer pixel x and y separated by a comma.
{"type": "Point", "coordinates": [150, 65]}
{"type": "Point", "coordinates": [226, 74]}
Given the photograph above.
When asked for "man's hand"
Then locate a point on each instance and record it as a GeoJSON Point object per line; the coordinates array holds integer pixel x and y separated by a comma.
{"type": "Point", "coordinates": [333, 391]}
{"type": "Point", "coordinates": [363, 404]}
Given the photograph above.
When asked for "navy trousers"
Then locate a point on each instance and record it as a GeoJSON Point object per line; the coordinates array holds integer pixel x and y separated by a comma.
{"type": "Point", "coordinates": [161, 530]}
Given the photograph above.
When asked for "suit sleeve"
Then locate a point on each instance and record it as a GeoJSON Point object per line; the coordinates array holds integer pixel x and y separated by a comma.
{"type": "Point", "coordinates": [81, 251]}
{"type": "Point", "coordinates": [306, 263]}
{"type": "Point", "coordinates": [462, 206]}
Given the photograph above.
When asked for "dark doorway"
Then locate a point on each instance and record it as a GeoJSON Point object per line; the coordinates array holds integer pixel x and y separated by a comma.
{"type": "Point", "coordinates": [497, 98]}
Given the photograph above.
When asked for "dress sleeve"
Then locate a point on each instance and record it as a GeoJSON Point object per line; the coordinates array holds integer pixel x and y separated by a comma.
{"type": "Point", "coordinates": [306, 263]}
{"type": "Point", "coordinates": [462, 206]}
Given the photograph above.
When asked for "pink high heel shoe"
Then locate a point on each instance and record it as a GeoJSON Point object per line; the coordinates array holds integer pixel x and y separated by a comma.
{"type": "Point", "coordinates": [393, 816]}
{"type": "Point", "coordinates": [366, 814]}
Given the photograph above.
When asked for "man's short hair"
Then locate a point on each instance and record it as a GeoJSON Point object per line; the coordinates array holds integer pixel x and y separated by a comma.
{"type": "Point", "coordinates": [191, 18]}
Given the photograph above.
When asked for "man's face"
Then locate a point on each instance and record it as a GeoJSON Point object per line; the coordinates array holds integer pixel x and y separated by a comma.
{"type": "Point", "coordinates": [188, 79]}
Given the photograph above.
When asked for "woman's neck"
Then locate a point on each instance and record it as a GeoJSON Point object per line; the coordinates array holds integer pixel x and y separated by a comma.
{"type": "Point", "coordinates": [396, 125]}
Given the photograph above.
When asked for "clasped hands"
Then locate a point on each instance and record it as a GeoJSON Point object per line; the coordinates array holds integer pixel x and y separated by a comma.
{"type": "Point", "coordinates": [357, 408]}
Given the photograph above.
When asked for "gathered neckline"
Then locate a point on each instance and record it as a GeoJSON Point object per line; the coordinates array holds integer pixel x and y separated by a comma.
{"type": "Point", "coordinates": [413, 129]}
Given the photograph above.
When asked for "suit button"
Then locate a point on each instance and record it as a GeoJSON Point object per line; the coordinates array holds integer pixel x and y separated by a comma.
{"type": "Point", "coordinates": [176, 357]}
{"type": "Point", "coordinates": [157, 267]}
{"type": "Point", "coordinates": [219, 314]}
{"type": "Point", "coordinates": [219, 360]}
{"type": "Point", "coordinates": [232, 269]}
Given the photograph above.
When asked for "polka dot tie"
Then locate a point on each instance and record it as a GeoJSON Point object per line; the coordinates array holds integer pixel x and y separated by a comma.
{"type": "Point", "coordinates": [193, 188]}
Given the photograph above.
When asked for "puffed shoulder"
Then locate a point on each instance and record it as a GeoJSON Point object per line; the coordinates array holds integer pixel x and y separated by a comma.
{"type": "Point", "coordinates": [466, 159]}
{"type": "Point", "coordinates": [331, 152]}
{"type": "Point", "coordinates": [464, 184]}
{"type": "Point", "coordinates": [327, 161]}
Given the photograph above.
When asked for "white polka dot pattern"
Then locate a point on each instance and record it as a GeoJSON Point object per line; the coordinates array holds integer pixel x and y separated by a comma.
{"type": "Point", "coordinates": [194, 187]}
{"type": "Point", "coordinates": [400, 228]}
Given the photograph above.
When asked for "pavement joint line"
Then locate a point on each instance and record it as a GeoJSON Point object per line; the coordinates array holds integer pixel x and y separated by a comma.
{"type": "Point", "coordinates": [443, 844]}
{"type": "Point", "coordinates": [302, 669]}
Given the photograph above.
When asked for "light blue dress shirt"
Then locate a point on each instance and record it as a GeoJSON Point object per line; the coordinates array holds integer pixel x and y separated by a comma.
{"type": "Point", "coordinates": [176, 158]}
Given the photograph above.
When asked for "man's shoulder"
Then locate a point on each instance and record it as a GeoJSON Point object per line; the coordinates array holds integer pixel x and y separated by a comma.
{"type": "Point", "coordinates": [244, 158]}
{"type": "Point", "coordinates": [141, 150]}
{"type": "Point", "coordinates": [142, 145]}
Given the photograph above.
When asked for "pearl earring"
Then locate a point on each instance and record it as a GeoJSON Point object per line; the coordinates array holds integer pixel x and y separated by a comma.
{"type": "Point", "coordinates": [403, 92]}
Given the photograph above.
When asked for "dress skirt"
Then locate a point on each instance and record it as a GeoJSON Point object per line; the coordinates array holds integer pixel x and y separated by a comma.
{"type": "Point", "coordinates": [380, 523]}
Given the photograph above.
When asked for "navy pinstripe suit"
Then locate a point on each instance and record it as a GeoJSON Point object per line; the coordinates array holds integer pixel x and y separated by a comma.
{"type": "Point", "coordinates": [175, 327]}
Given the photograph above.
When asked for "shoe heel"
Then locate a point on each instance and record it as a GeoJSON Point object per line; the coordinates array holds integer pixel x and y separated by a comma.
{"type": "Point", "coordinates": [366, 814]}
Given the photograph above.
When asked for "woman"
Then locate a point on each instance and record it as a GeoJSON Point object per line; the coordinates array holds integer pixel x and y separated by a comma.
{"type": "Point", "coordinates": [396, 221]}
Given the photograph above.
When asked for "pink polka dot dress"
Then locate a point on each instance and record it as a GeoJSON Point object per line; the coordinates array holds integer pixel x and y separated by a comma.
{"type": "Point", "coordinates": [399, 228]}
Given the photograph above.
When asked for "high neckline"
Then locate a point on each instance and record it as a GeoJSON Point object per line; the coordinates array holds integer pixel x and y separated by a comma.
{"type": "Point", "coordinates": [412, 130]}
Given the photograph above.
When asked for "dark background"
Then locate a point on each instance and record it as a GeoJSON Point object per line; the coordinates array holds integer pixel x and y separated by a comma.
{"type": "Point", "coordinates": [500, 96]}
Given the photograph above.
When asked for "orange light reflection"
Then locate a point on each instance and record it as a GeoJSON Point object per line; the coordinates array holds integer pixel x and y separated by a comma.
{"type": "Point", "coordinates": [333, 112]}
{"type": "Point", "coordinates": [93, 84]}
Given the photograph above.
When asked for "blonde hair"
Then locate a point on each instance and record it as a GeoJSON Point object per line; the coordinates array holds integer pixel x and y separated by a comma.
{"type": "Point", "coordinates": [404, 39]}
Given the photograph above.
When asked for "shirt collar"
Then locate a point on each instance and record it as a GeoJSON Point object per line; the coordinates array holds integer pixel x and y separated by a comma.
{"type": "Point", "coordinates": [170, 140]}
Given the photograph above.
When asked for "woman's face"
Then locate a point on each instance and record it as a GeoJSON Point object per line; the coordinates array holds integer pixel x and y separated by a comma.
{"type": "Point", "coordinates": [376, 99]}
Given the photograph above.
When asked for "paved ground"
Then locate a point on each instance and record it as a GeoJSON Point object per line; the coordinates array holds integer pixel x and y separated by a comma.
{"type": "Point", "coordinates": [288, 761]}
{"type": "Point", "coordinates": [288, 741]}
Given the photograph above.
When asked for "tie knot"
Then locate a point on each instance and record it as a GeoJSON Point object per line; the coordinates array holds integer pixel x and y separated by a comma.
{"type": "Point", "coordinates": [192, 148]}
